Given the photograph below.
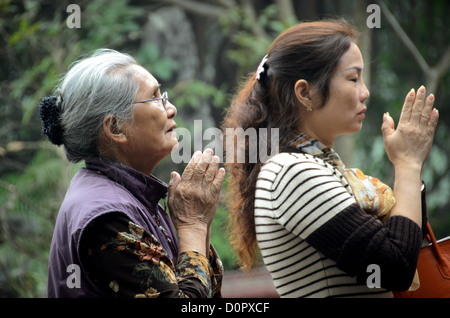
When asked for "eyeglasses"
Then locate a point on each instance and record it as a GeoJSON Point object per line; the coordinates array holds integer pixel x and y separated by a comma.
{"type": "Point", "coordinates": [164, 97]}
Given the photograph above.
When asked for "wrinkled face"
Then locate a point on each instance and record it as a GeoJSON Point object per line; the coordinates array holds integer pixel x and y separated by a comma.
{"type": "Point", "coordinates": [151, 135]}
{"type": "Point", "coordinates": [344, 111]}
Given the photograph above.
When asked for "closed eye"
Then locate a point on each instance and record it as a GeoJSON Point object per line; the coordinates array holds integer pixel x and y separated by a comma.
{"type": "Point", "coordinates": [354, 71]}
{"type": "Point", "coordinates": [157, 93]}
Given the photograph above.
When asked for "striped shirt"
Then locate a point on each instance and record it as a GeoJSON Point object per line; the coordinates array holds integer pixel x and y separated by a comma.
{"type": "Point", "coordinates": [317, 242]}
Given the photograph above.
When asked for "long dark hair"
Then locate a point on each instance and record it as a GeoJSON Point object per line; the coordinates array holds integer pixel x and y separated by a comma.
{"type": "Point", "coordinates": [309, 51]}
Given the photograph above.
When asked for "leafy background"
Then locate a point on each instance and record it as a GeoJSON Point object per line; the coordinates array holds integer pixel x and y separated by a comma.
{"type": "Point", "coordinates": [200, 50]}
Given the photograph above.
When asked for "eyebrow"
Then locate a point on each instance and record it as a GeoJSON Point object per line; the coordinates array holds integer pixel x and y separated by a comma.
{"type": "Point", "coordinates": [158, 87]}
{"type": "Point", "coordinates": [359, 69]}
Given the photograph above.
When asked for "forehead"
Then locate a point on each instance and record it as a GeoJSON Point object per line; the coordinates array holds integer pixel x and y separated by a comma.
{"type": "Point", "coordinates": [351, 59]}
{"type": "Point", "coordinates": [146, 80]}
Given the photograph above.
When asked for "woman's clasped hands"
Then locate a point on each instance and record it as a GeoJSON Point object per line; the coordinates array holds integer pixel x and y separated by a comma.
{"type": "Point", "coordinates": [193, 200]}
{"type": "Point", "coordinates": [411, 142]}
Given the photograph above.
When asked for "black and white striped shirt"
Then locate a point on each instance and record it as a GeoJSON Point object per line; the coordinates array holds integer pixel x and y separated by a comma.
{"type": "Point", "coordinates": [315, 239]}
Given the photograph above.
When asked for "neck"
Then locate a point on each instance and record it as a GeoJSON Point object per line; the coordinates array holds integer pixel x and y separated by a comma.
{"type": "Point", "coordinates": [325, 140]}
{"type": "Point", "coordinates": [119, 157]}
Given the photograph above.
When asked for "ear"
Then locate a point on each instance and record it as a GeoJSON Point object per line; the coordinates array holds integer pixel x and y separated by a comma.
{"type": "Point", "coordinates": [112, 130]}
{"type": "Point", "coordinates": [302, 91]}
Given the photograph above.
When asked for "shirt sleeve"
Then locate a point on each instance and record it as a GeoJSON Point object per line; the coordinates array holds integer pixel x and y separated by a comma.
{"type": "Point", "coordinates": [128, 261]}
{"type": "Point", "coordinates": [307, 193]}
{"type": "Point", "coordinates": [356, 240]}
{"type": "Point", "coordinates": [310, 200]}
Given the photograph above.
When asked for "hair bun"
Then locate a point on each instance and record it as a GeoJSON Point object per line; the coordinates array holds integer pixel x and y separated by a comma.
{"type": "Point", "coordinates": [51, 119]}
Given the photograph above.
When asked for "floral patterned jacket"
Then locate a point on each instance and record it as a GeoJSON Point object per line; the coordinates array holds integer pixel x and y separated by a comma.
{"type": "Point", "coordinates": [127, 260]}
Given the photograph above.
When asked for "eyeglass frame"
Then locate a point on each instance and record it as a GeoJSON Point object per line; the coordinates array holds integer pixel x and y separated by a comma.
{"type": "Point", "coordinates": [164, 97]}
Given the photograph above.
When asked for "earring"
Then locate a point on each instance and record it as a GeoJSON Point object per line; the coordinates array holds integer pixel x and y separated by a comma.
{"type": "Point", "coordinates": [309, 109]}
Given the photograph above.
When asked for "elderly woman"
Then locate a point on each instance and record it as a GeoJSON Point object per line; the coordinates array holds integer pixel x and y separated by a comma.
{"type": "Point", "coordinates": [318, 225]}
{"type": "Point", "coordinates": [112, 237]}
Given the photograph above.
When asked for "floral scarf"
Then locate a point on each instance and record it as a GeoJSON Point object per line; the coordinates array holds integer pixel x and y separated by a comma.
{"type": "Point", "coordinates": [374, 197]}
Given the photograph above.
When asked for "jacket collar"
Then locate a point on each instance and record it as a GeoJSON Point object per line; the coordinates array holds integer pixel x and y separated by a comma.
{"type": "Point", "coordinates": [149, 190]}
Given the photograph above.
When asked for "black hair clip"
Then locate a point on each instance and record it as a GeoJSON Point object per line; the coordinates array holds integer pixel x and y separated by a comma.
{"type": "Point", "coordinates": [51, 119]}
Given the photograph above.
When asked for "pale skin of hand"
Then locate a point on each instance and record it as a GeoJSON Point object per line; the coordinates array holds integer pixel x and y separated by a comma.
{"type": "Point", "coordinates": [193, 200]}
{"type": "Point", "coordinates": [408, 148]}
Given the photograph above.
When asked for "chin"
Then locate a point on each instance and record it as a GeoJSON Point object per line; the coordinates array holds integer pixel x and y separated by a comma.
{"type": "Point", "coordinates": [175, 147]}
{"type": "Point", "coordinates": [355, 128]}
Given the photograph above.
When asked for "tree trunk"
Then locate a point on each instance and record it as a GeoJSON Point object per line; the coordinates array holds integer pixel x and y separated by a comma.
{"type": "Point", "coordinates": [285, 10]}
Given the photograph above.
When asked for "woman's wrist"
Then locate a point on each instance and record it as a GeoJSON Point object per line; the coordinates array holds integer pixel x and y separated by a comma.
{"type": "Point", "coordinates": [407, 189]}
{"type": "Point", "coordinates": [192, 238]}
{"type": "Point", "coordinates": [410, 167]}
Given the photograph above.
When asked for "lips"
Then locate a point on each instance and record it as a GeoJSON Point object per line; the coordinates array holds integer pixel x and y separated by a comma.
{"type": "Point", "coordinates": [172, 128]}
{"type": "Point", "coordinates": [361, 113]}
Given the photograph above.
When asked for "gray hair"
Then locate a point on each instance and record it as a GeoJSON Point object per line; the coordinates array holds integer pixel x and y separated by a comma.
{"type": "Point", "coordinates": [94, 87]}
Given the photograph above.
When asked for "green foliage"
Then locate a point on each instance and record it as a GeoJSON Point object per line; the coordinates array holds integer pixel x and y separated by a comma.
{"type": "Point", "coordinates": [149, 56]}
{"type": "Point", "coordinates": [29, 203]}
{"type": "Point", "coordinates": [241, 28]}
{"type": "Point", "coordinates": [194, 94]}
{"type": "Point", "coordinates": [115, 24]}
{"type": "Point", "coordinates": [219, 238]}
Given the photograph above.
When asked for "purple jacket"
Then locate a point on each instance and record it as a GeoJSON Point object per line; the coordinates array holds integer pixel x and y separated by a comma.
{"type": "Point", "coordinates": [103, 186]}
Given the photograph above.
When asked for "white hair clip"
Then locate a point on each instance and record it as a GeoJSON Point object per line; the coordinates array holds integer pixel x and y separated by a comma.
{"type": "Point", "coordinates": [260, 68]}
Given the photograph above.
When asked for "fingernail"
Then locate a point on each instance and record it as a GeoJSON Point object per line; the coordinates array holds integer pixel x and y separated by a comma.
{"type": "Point", "coordinates": [207, 154]}
{"type": "Point", "coordinates": [196, 156]}
{"type": "Point", "coordinates": [431, 97]}
{"type": "Point", "coordinates": [411, 92]}
{"type": "Point", "coordinates": [422, 89]}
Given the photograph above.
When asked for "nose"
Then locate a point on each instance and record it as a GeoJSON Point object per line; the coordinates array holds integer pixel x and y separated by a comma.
{"type": "Point", "coordinates": [364, 93]}
{"type": "Point", "coordinates": [171, 110]}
